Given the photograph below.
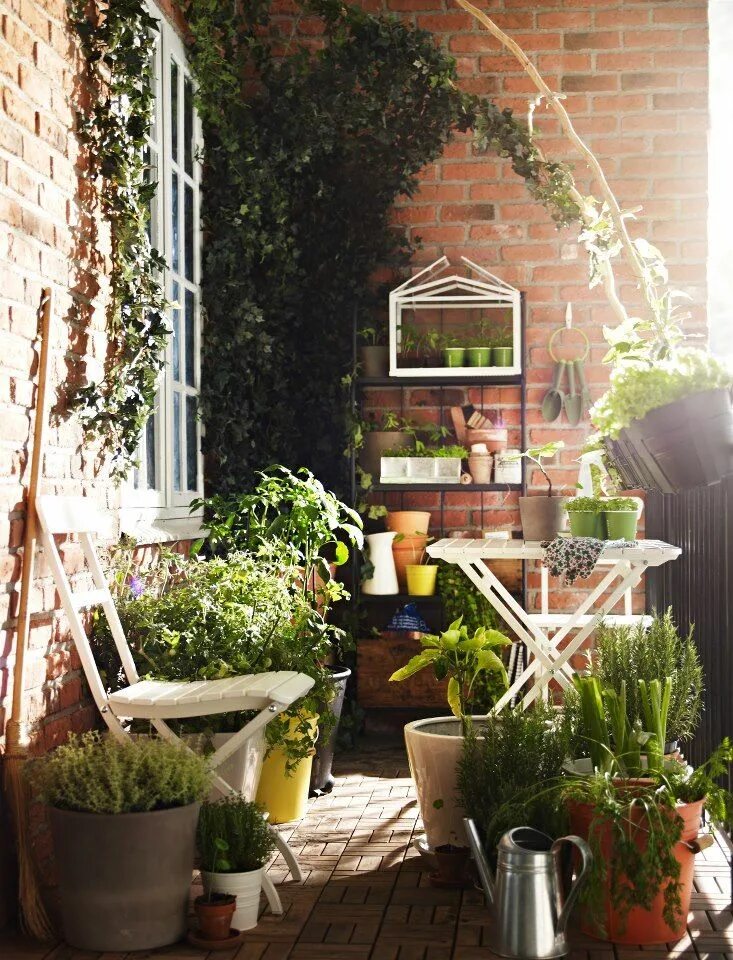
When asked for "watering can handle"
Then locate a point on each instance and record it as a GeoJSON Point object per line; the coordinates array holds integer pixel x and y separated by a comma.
{"type": "Point", "coordinates": [586, 859]}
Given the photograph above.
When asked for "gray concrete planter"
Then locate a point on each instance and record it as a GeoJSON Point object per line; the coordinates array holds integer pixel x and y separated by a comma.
{"type": "Point", "coordinates": [124, 879]}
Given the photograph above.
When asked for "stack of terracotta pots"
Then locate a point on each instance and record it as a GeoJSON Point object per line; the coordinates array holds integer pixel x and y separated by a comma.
{"type": "Point", "coordinates": [409, 546]}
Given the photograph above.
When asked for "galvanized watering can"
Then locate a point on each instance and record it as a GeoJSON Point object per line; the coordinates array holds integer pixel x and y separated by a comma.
{"type": "Point", "coordinates": [529, 912]}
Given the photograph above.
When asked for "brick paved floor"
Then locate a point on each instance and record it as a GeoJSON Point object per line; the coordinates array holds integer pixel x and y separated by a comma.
{"type": "Point", "coordinates": [365, 897]}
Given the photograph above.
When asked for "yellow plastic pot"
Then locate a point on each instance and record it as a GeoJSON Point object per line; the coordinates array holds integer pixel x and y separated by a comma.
{"type": "Point", "coordinates": [421, 579]}
{"type": "Point", "coordinates": [285, 795]}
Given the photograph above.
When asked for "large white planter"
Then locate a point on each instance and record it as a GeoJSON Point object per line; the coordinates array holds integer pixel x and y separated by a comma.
{"type": "Point", "coordinates": [434, 747]}
{"type": "Point", "coordinates": [245, 887]}
{"type": "Point", "coordinates": [383, 580]}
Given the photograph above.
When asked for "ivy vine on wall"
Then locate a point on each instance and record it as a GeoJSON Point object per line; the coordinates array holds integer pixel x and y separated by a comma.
{"type": "Point", "coordinates": [306, 152]}
{"type": "Point", "coordinates": [117, 39]}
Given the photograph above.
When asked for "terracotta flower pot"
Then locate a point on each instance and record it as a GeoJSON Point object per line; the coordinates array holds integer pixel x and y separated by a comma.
{"type": "Point", "coordinates": [407, 552]}
{"type": "Point", "coordinates": [410, 522]}
{"type": "Point", "coordinates": [639, 926]}
{"type": "Point", "coordinates": [215, 915]}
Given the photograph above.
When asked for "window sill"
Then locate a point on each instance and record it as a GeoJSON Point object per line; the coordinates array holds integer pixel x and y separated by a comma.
{"type": "Point", "coordinates": [161, 525]}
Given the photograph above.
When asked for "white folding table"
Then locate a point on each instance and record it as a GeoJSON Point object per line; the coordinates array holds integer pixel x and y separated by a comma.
{"type": "Point", "coordinates": [544, 633]}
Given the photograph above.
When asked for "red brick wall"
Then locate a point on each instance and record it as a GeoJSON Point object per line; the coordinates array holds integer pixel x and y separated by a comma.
{"type": "Point", "coordinates": [635, 79]}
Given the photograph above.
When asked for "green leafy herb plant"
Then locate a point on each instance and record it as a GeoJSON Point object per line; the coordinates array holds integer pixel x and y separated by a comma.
{"type": "Point", "coordinates": [238, 828]}
{"type": "Point", "coordinates": [461, 658]}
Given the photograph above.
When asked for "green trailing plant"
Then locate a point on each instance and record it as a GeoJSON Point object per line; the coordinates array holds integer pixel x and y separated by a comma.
{"type": "Point", "coordinates": [509, 769]}
{"type": "Point", "coordinates": [92, 773]}
{"type": "Point", "coordinates": [461, 598]}
{"type": "Point", "coordinates": [208, 619]}
{"type": "Point", "coordinates": [118, 40]}
{"type": "Point", "coordinates": [248, 842]}
{"type": "Point", "coordinates": [461, 658]}
{"type": "Point", "coordinates": [635, 390]}
{"type": "Point", "coordinates": [629, 654]}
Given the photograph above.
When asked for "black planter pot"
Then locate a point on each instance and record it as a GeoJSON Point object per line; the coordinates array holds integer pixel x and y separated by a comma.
{"type": "Point", "coordinates": [322, 780]}
{"type": "Point", "coordinates": [124, 879]}
{"type": "Point", "coordinates": [682, 445]}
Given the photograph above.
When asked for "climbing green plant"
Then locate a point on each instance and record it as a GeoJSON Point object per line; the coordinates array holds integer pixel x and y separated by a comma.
{"type": "Point", "coordinates": [306, 152]}
{"type": "Point", "coordinates": [117, 40]}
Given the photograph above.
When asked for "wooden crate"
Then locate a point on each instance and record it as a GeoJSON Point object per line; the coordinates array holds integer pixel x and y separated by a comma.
{"type": "Point", "coordinates": [377, 659]}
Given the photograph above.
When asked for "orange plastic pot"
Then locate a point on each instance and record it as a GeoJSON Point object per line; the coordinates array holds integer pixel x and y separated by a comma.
{"type": "Point", "coordinates": [409, 522]}
{"type": "Point", "coordinates": [640, 926]}
{"type": "Point", "coordinates": [407, 552]}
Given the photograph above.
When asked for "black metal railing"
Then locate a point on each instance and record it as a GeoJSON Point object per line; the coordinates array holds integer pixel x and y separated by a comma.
{"type": "Point", "coordinates": [699, 588]}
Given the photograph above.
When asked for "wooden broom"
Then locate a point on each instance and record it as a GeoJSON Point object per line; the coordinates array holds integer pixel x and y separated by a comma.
{"type": "Point", "coordinates": [33, 917]}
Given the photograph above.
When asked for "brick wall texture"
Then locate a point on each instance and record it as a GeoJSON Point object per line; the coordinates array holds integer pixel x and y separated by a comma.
{"type": "Point", "coordinates": [634, 76]}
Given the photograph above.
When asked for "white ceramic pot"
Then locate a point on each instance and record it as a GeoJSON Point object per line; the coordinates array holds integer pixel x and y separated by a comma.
{"type": "Point", "coordinates": [434, 747]}
{"type": "Point", "coordinates": [384, 576]}
{"type": "Point", "coordinates": [245, 887]}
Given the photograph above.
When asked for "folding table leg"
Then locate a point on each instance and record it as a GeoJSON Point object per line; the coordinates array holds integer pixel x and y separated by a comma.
{"type": "Point", "coordinates": [273, 897]}
{"type": "Point", "coordinates": [288, 855]}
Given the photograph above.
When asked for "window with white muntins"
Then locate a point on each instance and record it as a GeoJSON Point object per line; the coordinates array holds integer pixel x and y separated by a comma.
{"type": "Point", "coordinates": [169, 476]}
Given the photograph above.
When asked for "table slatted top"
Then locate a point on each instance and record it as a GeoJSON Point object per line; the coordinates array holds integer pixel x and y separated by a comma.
{"type": "Point", "coordinates": [651, 552]}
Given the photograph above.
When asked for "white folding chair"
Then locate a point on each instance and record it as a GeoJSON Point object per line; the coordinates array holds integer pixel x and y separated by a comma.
{"type": "Point", "coordinates": [160, 700]}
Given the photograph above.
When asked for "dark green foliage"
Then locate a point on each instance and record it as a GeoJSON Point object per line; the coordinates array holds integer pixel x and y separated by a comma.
{"type": "Point", "coordinates": [118, 40]}
{"type": "Point", "coordinates": [508, 774]}
{"type": "Point", "coordinates": [304, 160]}
{"type": "Point", "coordinates": [233, 836]}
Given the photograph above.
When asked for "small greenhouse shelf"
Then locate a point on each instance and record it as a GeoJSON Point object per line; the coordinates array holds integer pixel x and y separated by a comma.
{"type": "Point", "coordinates": [450, 326]}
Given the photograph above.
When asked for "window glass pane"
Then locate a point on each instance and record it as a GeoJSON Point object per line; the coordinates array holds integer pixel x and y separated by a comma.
{"type": "Point", "coordinates": [191, 444]}
{"type": "Point", "coordinates": [174, 110]}
{"type": "Point", "coordinates": [176, 440]}
{"type": "Point", "coordinates": [190, 340]}
{"type": "Point", "coordinates": [176, 336]}
{"type": "Point", "coordinates": [188, 145]}
{"type": "Point", "coordinates": [151, 430]}
{"type": "Point", "coordinates": [175, 226]}
{"type": "Point", "coordinates": [188, 240]}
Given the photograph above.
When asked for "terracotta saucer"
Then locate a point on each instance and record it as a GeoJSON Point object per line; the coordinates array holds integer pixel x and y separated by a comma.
{"type": "Point", "coordinates": [232, 940]}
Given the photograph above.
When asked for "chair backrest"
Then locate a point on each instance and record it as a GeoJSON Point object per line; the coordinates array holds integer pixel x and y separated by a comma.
{"type": "Point", "coordinates": [64, 515]}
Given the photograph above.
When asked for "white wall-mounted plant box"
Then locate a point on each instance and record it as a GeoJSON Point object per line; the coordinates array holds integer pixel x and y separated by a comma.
{"type": "Point", "coordinates": [421, 470]}
{"type": "Point", "coordinates": [462, 308]}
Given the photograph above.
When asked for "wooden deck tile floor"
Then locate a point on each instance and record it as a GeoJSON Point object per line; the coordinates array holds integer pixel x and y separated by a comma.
{"type": "Point", "coordinates": [364, 895]}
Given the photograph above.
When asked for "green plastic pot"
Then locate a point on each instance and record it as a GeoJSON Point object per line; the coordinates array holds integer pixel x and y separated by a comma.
{"type": "Point", "coordinates": [479, 356]}
{"type": "Point", "coordinates": [584, 523]}
{"type": "Point", "coordinates": [621, 524]}
{"type": "Point", "coordinates": [502, 356]}
{"type": "Point", "coordinates": [454, 356]}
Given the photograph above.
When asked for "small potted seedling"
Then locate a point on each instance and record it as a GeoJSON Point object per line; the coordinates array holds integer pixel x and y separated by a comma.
{"type": "Point", "coordinates": [214, 911]}
{"type": "Point", "coordinates": [454, 355]}
{"type": "Point", "coordinates": [502, 350]}
{"type": "Point", "coordinates": [543, 517]}
{"type": "Point", "coordinates": [478, 352]}
{"type": "Point", "coordinates": [373, 352]}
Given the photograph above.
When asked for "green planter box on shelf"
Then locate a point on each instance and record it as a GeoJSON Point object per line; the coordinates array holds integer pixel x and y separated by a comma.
{"type": "Point", "coordinates": [502, 356]}
{"type": "Point", "coordinates": [478, 356]}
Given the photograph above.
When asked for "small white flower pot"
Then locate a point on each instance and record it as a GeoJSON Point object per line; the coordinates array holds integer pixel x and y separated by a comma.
{"type": "Point", "coordinates": [245, 887]}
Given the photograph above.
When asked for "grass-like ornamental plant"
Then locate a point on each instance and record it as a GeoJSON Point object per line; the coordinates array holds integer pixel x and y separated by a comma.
{"type": "Point", "coordinates": [93, 773]}
{"type": "Point", "coordinates": [630, 654]}
{"type": "Point", "coordinates": [461, 658]}
{"type": "Point", "coordinates": [233, 836]}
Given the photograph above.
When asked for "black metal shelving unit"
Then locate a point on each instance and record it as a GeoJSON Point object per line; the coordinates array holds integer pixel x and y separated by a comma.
{"type": "Point", "coordinates": [441, 383]}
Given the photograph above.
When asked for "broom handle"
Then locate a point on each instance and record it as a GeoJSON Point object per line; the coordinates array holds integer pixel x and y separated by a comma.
{"type": "Point", "coordinates": [29, 534]}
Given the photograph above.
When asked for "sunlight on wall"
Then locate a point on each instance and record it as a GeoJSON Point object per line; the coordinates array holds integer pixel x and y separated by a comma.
{"type": "Point", "coordinates": [720, 167]}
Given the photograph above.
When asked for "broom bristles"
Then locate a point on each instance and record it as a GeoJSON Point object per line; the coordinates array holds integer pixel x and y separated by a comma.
{"type": "Point", "coordinates": [33, 917]}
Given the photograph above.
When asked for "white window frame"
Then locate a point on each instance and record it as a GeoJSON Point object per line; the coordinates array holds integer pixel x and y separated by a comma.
{"type": "Point", "coordinates": [163, 513]}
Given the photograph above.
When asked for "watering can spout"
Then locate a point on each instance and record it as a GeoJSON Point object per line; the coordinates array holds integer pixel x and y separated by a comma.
{"type": "Point", "coordinates": [484, 870]}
